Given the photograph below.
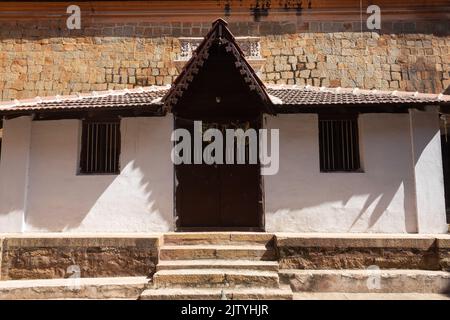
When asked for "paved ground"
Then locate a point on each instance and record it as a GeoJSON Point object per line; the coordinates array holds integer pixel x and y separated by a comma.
{"type": "Point", "coordinates": [370, 296]}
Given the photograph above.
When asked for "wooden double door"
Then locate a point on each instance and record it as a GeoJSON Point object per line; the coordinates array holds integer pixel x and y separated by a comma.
{"type": "Point", "coordinates": [219, 196]}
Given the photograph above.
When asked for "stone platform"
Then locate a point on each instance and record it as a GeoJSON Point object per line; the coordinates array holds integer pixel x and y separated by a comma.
{"type": "Point", "coordinates": [223, 265]}
{"type": "Point", "coordinates": [359, 251]}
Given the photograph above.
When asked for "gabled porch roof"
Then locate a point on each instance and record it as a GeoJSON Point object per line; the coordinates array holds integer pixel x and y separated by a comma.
{"type": "Point", "coordinates": [219, 36]}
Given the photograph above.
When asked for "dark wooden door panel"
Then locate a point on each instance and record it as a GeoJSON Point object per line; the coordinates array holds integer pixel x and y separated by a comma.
{"type": "Point", "coordinates": [198, 196]}
{"type": "Point", "coordinates": [239, 195]}
{"type": "Point", "coordinates": [218, 197]}
{"type": "Point", "coordinates": [224, 196]}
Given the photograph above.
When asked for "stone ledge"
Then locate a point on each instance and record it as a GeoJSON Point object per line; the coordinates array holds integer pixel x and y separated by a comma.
{"type": "Point", "coordinates": [356, 240]}
{"type": "Point", "coordinates": [80, 241]}
{"type": "Point", "coordinates": [367, 281]}
{"type": "Point", "coordinates": [86, 288]}
{"type": "Point", "coordinates": [369, 296]}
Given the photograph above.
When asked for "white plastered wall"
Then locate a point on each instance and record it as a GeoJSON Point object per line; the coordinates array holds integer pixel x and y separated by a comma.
{"type": "Point", "coordinates": [139, 199]}
{"type": "Point", "coordinates": [428, 173]}
{"type": "Point", "coordinates": [14, 165]}
{"type": "Point", "coordinates": [41, 191]}
{"type": "Point", "coordinates": [380, 199]}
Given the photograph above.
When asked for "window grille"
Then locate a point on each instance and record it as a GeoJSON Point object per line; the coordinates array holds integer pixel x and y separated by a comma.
{"type": "Point", "coordinates": [339, 143]}
{"type": "Point", "coordinates": [100, 147]}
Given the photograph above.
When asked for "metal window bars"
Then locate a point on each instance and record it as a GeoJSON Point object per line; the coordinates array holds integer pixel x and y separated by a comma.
{"type": "Point", "coordinates": [339, 145]}
{"type": "Point", "coordinates": [100, 150]}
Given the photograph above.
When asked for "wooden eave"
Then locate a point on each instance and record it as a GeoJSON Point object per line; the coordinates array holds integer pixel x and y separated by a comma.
{"type": "Point", "coordinates": [204, 10]}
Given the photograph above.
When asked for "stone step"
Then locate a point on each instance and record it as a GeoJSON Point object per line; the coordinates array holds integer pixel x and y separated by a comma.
{"type": "Point", "coordinates": [367, 281]}
{"type": "Point", "coordinates": [195, 238]}
{"type": "Point", "coordinates": [191, 252]}
{"type": "Point", "coordinates": [218, 264]}
{"type": "Point", "coordinates": [213, 278]}
{"type": "Point", "coordinates": [81, 288]}
{"type": "Point", "coordinates": [217, 294]}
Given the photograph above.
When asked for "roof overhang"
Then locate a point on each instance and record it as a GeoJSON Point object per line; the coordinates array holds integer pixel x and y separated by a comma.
{"type": "Point", "coordinates": [286, 99]}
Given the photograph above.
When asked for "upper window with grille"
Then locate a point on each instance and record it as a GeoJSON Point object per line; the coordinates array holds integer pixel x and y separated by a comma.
{"type": "Point", "coordinates": [100, 147]}
{"type": "Point", "coordinates": [339, 143]}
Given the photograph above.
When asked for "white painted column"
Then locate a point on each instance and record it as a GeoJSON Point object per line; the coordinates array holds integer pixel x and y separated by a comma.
{"type": "Point", "coordinates": [14, 164]}
{"type": "Point", "coordinates": [428, 173]}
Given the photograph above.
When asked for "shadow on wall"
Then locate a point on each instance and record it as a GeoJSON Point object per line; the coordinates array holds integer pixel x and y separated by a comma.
{"type": "Point", "coordinates": [298, 198]}
{"type": "Point", "coordinates": [380, 199]}
{"type": "Point", "coordinates": [422, 75]}
{"type": "Point", "coordinates": [137, 200]}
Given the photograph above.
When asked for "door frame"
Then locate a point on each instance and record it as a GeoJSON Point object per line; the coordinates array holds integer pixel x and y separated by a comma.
{"type": "Point", "coordinates": [261, 205]}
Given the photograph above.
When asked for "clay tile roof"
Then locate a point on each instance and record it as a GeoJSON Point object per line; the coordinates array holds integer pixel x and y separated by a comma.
{"type": "Point", "coordinates": [282, 96]}
{"type": "Point", "coordinates": [127, 98]}
{"type": "Point", "coordinates": [294, 95]}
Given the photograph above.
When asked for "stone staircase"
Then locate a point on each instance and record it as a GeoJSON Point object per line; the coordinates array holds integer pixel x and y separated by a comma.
{"type": "Point", "coordinates": [222, 265]}
{"type": "Point", "coordinates": [238, 265]}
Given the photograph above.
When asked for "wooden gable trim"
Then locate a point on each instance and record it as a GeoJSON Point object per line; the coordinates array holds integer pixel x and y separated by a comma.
{"type": "Point", "coordinates": [220, 32]}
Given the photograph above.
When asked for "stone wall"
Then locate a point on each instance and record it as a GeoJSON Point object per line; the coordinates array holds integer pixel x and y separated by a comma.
{"type": "Point", "coordinates": [443, 245]}
{"type": "Point", "coordinates": [361, 252]}
{"type": "Point", "coordinates": [50, 256]}
{"type": "Point", "coordinates": [412, 62]}
{"type": "Point", "coordinates": [63, 257]}
{"type": "Point", "coordinates": [46, 59]}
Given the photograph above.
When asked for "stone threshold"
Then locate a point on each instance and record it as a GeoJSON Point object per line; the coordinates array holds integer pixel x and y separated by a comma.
{"type": "Point", "coordinates": [376, 239]}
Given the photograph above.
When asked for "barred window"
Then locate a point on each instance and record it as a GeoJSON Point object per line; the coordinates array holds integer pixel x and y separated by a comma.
{"type": "Point", "coordinates": [339, 143]}
{"type": "Point", "coordinates": [100, 147]}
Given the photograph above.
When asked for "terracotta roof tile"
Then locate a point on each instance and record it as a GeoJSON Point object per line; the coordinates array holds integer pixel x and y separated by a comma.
{"type": "Point", "coordinates": [293, 95]}
{"type": "Point", "coordinates": [281, 95]}
{"type": "Point", "coordinates": [140, 97]}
